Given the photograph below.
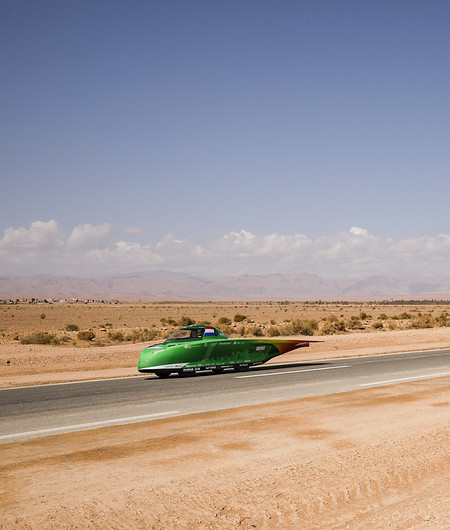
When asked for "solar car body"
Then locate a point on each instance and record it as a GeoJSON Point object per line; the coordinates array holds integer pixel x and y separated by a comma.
{"type": "Point", "coordinates": [203, 347]}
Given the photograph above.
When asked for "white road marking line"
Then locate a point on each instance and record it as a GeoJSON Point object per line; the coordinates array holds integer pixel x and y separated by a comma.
{"type": "Point", "coordinates": [405, 379]}
{"type": "Point", "coordinates": [91, 425]}
{"type": "Point", "coordinates": [136, 376]}
{"type": "Point", "coordinates": [291, 372]}
{"type": "Point", "coordinates": [140, 376]}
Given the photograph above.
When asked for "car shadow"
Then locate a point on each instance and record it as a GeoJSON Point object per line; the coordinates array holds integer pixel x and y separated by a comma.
{"type": "Point", "coordinates": [264, 368]}
{"type": "Point", "coordinates": [287, 365]}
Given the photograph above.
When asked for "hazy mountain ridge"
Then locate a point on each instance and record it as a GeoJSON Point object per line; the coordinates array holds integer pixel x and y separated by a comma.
{"type": "Point", "coordinates": [164, 285]}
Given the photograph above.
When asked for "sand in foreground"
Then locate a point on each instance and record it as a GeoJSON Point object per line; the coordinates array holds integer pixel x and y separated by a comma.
{"type": "Point", "coordinates": [376, 458]}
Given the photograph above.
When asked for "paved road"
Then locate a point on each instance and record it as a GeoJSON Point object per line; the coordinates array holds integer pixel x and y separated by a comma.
{"type": "Point", "coordinates": [30, 412]}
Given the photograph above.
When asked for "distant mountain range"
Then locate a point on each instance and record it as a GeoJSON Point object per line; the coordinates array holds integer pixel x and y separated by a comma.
{"type": "Point", "coordinates": [165, 286]}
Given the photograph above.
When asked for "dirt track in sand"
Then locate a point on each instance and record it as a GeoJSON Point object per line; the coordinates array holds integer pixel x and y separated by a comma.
{"type": "Point", "coordinates": [377, 458]}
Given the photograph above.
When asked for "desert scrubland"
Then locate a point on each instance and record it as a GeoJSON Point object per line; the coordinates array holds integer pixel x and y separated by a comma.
{"type": "Point", "coordinates": [375, 458]}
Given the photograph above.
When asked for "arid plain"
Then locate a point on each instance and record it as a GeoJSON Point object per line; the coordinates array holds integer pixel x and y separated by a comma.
{"type": "Point", "coordinates": [375, 458]}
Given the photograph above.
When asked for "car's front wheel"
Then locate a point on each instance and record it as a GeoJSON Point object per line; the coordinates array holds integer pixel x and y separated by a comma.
{"type": "Point", "coordinates": [164, 374]}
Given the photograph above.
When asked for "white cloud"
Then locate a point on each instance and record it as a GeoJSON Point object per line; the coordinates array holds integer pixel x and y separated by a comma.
{"type": "Point", "coordinates": [356, 231]}
{"type": "Point", "coordinates": [90, 250]}
{"type": "Point", "coordinates": [132, 230]}
{"type": "Point", "coordinates": [39, 236]}
{"type": "Point", "coordinates": [123, 257]}
{"type": "Point", "coordinates": [86, 237]}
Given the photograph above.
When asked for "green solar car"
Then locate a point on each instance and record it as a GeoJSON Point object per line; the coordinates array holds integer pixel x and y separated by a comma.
{"type": "Point", "coordinates": [202, 347]}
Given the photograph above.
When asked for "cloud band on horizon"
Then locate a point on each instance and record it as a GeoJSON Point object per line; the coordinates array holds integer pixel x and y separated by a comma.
{"type": "Point", "coordinates": [44, 248]}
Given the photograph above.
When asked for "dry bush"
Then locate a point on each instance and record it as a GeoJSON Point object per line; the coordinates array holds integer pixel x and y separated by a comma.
{"type": "Point", "coordinates": [443, 320]}
{"type": "Point", "coordinates": [422, 321]}
{"type": "Point", "coordinates": [255, 331]}
{"type": "Point", "coordinates": [86, 335]}
{"type": "Point", "coordinates": [116, 336]}
{"type": "Point", "coordinates": [300, 327]}
{"type": "Point", "coordinates": [142, 335]}
{"type": "Point", "coordinates": [333, 326]}
{"type": "Point", "coordinates": [228, 330]}
{"type": "Point", "coordinates": [40, 338]}
{"type": "Point", "coordinates": [354, 323]}
{"type": "Point", "coordinates": [186, 321]}
{"type": "Point", "coordinates": [273, 331]}
{"type": "Point", "coordinates": [241, 331]}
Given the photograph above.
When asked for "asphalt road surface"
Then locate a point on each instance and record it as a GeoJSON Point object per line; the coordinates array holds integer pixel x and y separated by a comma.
{"type": "Point", "coordinates": [30, 412]}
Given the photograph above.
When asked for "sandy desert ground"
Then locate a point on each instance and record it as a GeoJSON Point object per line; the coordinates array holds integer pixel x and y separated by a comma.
{"type": "Point", "coordinates": [375, 458]}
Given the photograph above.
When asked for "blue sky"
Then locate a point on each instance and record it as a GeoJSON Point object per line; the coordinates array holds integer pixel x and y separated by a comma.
{"type": "Point", "coordinates": [129, 125]}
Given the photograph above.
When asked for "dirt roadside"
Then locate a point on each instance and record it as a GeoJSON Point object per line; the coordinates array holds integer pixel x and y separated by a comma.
{"type": "Point", "coordinates": [376, 458]}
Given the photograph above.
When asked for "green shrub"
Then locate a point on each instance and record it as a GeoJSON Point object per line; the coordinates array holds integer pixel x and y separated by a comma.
{"type": "Point", "coordinates": [86, 335]}
{"type": "Point", "coordinates": [377, 325]}
{"type": "Point", "coordinates": [72, 327]}
{"type": "Point", "coordinates": [239, 318]}
{"type": "Point", "coordinates": [224, 321]}
{"type": "Point", "coordinates": [364, 316]}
